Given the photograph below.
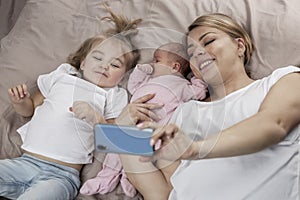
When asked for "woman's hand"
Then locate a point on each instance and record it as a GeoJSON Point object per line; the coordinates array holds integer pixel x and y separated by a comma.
{"type": "Point", "coordinates": [175, 145]}
{"type": "Point", "coordinates": [138, 111]}
{"type": "Point", "coordinates": [85, 111]}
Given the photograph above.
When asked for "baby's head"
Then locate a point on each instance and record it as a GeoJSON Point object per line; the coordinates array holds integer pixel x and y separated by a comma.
{"type": "Point", "coordinates": [170, 58]}
{"type": "Point", "coordinates": [104, 59]}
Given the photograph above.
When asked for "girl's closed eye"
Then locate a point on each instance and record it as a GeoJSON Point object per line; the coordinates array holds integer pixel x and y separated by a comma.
{"type": "Point", "coordinates": [97, 58]}
{"type": "Point", "coordinates": [115, 65]}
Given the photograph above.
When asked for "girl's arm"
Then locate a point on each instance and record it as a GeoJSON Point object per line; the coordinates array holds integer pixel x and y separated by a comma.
{"type": "Point", "coordinates": [23, 103]}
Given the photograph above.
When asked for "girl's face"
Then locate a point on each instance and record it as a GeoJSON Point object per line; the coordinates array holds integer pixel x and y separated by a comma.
{"type": "Point", "coordinates": [105, 64]}
{"type": "Point", "coordinates": [213, 54]}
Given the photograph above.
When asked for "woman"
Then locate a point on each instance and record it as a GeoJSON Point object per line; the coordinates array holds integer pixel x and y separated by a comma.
{"type": "Point", "coordinates": [249, 129]}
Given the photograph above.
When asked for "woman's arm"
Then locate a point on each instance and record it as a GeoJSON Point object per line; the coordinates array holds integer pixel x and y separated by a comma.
{"type": "Point", "coordinates": [278, 115]}
{"type": "Point", "coordinates": [23, 103]}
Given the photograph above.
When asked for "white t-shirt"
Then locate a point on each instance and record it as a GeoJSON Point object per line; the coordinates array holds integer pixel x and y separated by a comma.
{"type": "Point", "coordinates": [53, 130]}
{"type": "Point", "coordinates": [271, 174]}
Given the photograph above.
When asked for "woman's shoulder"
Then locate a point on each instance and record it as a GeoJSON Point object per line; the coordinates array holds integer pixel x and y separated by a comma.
{"type": "Point", "coordinates": [280, 72]}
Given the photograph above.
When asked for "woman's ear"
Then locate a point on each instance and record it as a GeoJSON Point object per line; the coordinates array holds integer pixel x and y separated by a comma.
{"type": "Point", "coordinates": [241, 46]}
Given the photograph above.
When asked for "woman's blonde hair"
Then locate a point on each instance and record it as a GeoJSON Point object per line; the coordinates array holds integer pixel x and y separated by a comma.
{"type": "Point", "coordinates": [124, 29]}
{"type": "Point", "coordinates": [227, 25]}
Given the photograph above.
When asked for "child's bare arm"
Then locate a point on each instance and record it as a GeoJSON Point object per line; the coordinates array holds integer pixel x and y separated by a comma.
{"type": "Point", "coordinates": [85, 111]}
{"type": "Point", "coordinates": [23, 102]}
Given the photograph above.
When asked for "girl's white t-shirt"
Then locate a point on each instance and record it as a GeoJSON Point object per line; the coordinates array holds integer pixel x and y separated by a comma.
{"type": "Point", "coordinates": [272, 173]}
{"type": "Point", "coordinates": [53, 130]}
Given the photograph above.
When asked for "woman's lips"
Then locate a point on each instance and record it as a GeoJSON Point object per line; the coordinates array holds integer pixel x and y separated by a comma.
{"type": "Point", "coordinates": [205, 63]}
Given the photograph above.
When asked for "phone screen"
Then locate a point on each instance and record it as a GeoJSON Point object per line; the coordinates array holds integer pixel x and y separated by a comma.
{"type": "Point", "coordinates": [123, 139]}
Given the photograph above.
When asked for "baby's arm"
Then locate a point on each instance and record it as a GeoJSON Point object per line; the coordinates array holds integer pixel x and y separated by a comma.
{"type": "Point", "coordinates": [139, 76]}
{"type": "Point", "coordinates": [23, 103]}
{"type": "Point", "coordinates": [195, 90]}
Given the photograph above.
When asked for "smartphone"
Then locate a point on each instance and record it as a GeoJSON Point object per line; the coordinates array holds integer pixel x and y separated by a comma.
{"type": "Point", "coordinates": [123, 139]}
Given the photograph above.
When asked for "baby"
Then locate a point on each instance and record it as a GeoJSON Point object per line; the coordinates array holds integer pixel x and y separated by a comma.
{"type": "Point", "coordinates": [165, 77]}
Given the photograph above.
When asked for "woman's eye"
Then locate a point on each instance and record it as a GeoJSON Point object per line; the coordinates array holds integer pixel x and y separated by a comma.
{"type": "Point", "coordinates": [210, 41]}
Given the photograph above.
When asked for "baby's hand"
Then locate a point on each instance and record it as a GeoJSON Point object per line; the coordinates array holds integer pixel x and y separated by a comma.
{"type": "Point", "coordinates": [147, 68]}
{"type": "Point", "coordinates": [18, 94]}
{"type": "Point", "coordinates": [85, 111]}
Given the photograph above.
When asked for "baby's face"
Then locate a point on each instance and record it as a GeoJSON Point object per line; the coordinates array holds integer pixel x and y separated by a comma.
{"type": "Point", "coordinates": [162, 63]}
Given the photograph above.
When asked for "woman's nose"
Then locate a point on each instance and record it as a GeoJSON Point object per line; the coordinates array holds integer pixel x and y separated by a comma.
{"type": "Point", "coordinates": [199, 51]}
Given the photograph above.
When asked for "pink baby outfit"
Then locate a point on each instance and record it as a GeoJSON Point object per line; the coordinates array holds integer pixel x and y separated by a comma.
{"type": "Point", "coordinates": [170, 90]}
{"type": "Point", "coordinates": [108, 178]}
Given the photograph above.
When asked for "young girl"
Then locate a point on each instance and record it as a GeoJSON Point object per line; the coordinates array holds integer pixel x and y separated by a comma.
{"type": "Point", "coordinates": [59, 138]}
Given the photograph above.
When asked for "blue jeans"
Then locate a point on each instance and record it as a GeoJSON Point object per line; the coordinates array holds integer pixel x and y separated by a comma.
{"type": "Point", "coordinates": [31, 178]}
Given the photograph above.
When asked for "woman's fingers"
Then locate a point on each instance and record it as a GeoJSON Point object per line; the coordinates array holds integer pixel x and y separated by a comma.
{"type": "Point", "coordinates": [163, 133]}
{"type": "Point", "coordinates": [144, 98]}
{"type": "Point", "coordinates": [174, 144]}
{"type": "Point", "coordinates": [147, 114]}
{"type": "Point", "coordinates": [139, 110]}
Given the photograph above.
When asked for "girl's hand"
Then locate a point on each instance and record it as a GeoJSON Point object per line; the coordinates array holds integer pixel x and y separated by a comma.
{"type": "Point", "coordinates": [137, 111]}
{"type": "Point", "coordinates": [175, 145]}
{"type": "Point", "coordinates": [18, 94]}
{"type": "Point", "coordinates": [85, 111]}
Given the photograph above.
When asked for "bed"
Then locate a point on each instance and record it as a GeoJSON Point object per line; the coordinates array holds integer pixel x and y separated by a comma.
{"type": "Point", "coordinates": [37, 35]}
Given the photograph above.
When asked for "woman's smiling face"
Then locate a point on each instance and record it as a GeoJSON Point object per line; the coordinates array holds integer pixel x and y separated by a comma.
{"type": "Point", "coordinates": [212, 53]}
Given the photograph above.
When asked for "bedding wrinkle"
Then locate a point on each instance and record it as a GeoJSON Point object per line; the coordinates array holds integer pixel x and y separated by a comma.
{"type": "Point", "coordinates": [9, 12]}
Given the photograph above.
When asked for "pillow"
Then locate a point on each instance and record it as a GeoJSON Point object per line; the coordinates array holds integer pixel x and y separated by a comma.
{"type": "Point", "coordinates": [47, 31]}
